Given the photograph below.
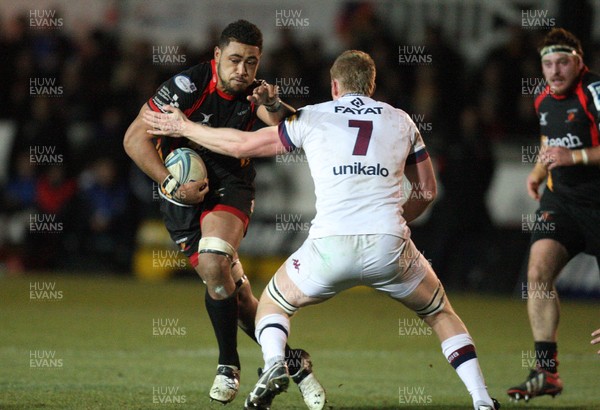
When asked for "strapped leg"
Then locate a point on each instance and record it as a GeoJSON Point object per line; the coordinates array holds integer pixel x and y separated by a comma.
{"type": "Point", "coordinates": [436, 303]}
{"type": "Point", "coordinates": [277, 296]}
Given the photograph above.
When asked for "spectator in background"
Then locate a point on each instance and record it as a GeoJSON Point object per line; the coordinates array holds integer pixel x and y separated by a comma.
{"type": "Point", "coordinates": [54, 196]}
{"type": "Point", "coordinates": [44, 133]}
{"type": "Point", "coordinates": [14, 43]}
{"type": "Point", "coordinates": [104, 221]}
{"type": "Point", "coordinates": [18, 203]}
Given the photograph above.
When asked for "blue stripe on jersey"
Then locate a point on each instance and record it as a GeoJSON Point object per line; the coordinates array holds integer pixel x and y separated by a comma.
{"type": "Point", "coordinates": [416, 157]}
{"type": "Point", "coordinates": [285, 138]}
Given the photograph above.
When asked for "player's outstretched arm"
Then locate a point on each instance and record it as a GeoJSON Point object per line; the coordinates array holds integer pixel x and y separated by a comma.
{"type": "Point", "coordinates": [139, 146]}
{"type": "Point", "coordinates": [424, 189]}
{"type": "Point", "coordinates": [227, 141]}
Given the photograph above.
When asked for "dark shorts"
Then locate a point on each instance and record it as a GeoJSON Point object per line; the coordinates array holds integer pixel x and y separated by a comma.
{"type": "Point", "coordinates": [183, 223]}
{"type": "Point", "coordinates": [576, 227]}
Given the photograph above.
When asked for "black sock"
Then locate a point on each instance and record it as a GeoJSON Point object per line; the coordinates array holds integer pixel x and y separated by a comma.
{"type": "Point", "coordinates": [293, 359]}
{"type": "Point", "coordinates": [249, 331]}
{"type": "Point", "coordinates": [546, 356]}
{"type": "Point", "coordinates": [246, 323]}
{"type": "Point", "coordinates": [224, 316]}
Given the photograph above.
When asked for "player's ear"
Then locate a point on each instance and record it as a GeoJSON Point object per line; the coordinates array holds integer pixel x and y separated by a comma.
{"type": "Point", "coordinates": [217, 53]}
{"type": "Point", "coordinates": [335, 89]}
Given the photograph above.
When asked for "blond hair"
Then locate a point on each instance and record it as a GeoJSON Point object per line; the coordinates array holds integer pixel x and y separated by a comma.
{"type": "Point", "coordinates": [355, 70]}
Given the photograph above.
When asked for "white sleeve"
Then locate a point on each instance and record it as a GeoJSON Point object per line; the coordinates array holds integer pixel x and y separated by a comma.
{"type": "Point", "coordinates": [292, 130]}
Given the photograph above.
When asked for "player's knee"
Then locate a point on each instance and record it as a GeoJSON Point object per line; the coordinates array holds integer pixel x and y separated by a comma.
{"type": "Point", "coordinates": [215, 257]}
{"type": "Point", "coordinates": [435, 305]}
{"type": "Point", "coordinates": [539, 273]}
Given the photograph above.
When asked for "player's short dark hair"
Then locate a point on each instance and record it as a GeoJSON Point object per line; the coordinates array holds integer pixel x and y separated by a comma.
{"type": "Point", "coordinates": [560, 36]}
{"type": "Point", "coordinates": [243, 32]}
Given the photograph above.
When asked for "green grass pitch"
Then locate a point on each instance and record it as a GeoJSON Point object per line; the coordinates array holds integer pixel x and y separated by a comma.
{"type": "Point", "coordinates": [113, 343]}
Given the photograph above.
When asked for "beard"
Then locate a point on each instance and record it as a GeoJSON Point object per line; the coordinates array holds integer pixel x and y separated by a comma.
{"type": "Point", "coordinates": [228, 87]}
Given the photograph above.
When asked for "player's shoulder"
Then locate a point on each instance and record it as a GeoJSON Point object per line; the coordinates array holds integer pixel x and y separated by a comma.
{"type": "Point", "coordinates": [589, 77]}
{"type": "Point", "coordinates": [193, 79]}
{"type": "Point", "coordinates": [590, 82]}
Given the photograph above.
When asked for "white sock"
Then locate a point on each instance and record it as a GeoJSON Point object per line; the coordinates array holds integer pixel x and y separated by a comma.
{"type": "Point", "coordinates": [460, 352]}
{"type": "Point", "coordinates": [272, 337]}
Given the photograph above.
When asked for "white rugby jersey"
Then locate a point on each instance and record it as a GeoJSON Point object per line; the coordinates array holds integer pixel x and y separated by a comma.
{"type": "Point", "coordinates": [356, 149]}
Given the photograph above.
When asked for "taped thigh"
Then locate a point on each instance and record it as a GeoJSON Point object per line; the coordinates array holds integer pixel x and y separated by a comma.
{"type": "Point", "coordinates": [218, 246]}
{"type": "Point", "coordinates": [436, 303]}
{"type": "Point", "coordinates": [277, 297]}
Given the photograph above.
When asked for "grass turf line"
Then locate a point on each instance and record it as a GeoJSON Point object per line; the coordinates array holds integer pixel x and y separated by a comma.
{"type": "Point", "coordinates": [368, 351]}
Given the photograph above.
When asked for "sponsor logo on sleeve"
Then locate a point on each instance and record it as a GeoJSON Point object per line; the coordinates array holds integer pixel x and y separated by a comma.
{"type": "Point", "coordinates": [185, 84]}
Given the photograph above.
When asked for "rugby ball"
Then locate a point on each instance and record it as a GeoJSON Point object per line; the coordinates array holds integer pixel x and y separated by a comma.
{"type": "Point", "coordinates": [185, 165]}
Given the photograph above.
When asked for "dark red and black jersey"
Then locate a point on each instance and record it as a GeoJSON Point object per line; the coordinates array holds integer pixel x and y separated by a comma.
{"type": "Point", "coordinates": [194, 91]}
{"type": "Point", "coordinates": [572, 121]}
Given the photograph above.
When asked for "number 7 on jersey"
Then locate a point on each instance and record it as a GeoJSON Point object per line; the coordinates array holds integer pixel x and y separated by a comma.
{"type": "Point", "coordinates": [365, 130]}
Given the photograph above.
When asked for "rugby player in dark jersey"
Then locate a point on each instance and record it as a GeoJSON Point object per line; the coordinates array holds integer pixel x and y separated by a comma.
{"type": "Point", "coordinates": [568, 217]}
{"type": "Point", "coordinates": [208, 219]}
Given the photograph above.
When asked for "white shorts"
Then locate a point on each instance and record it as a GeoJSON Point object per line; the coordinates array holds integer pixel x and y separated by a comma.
{"type": "Point", "coordinates": [323, 267]}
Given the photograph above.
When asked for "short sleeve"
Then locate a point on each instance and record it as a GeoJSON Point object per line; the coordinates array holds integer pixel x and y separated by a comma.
{"type": "Point", "coordinates": [180, 91]}
{"type": "Point", "coordinates": [418, 151]}
{"type": "Point", "coordinates": [292, 130]}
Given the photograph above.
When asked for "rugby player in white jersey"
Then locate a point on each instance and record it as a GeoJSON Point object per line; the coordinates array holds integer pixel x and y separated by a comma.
{"type": "Point", "coordinates": [358, 151]}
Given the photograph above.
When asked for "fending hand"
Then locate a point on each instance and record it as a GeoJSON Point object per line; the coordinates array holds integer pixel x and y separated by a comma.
{"type": "Point", "coordinates": [171, 123]}
{"type": "Point", "coordinates": [264, 94]}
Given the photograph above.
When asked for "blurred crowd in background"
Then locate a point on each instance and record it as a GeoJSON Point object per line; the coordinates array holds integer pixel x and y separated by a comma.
{"type": "Point", "coordinates": [97, 195]}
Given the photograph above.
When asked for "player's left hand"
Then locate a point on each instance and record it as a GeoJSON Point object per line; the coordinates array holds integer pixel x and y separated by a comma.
{"type": "Point", "coordinates": [171, 123]}
{"type": "Point", "coordinates": [265, 93]}
{"type": "Point", "coordinates": [596, 334]}
{"type": "Point", "coordinates": [553, 157]}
